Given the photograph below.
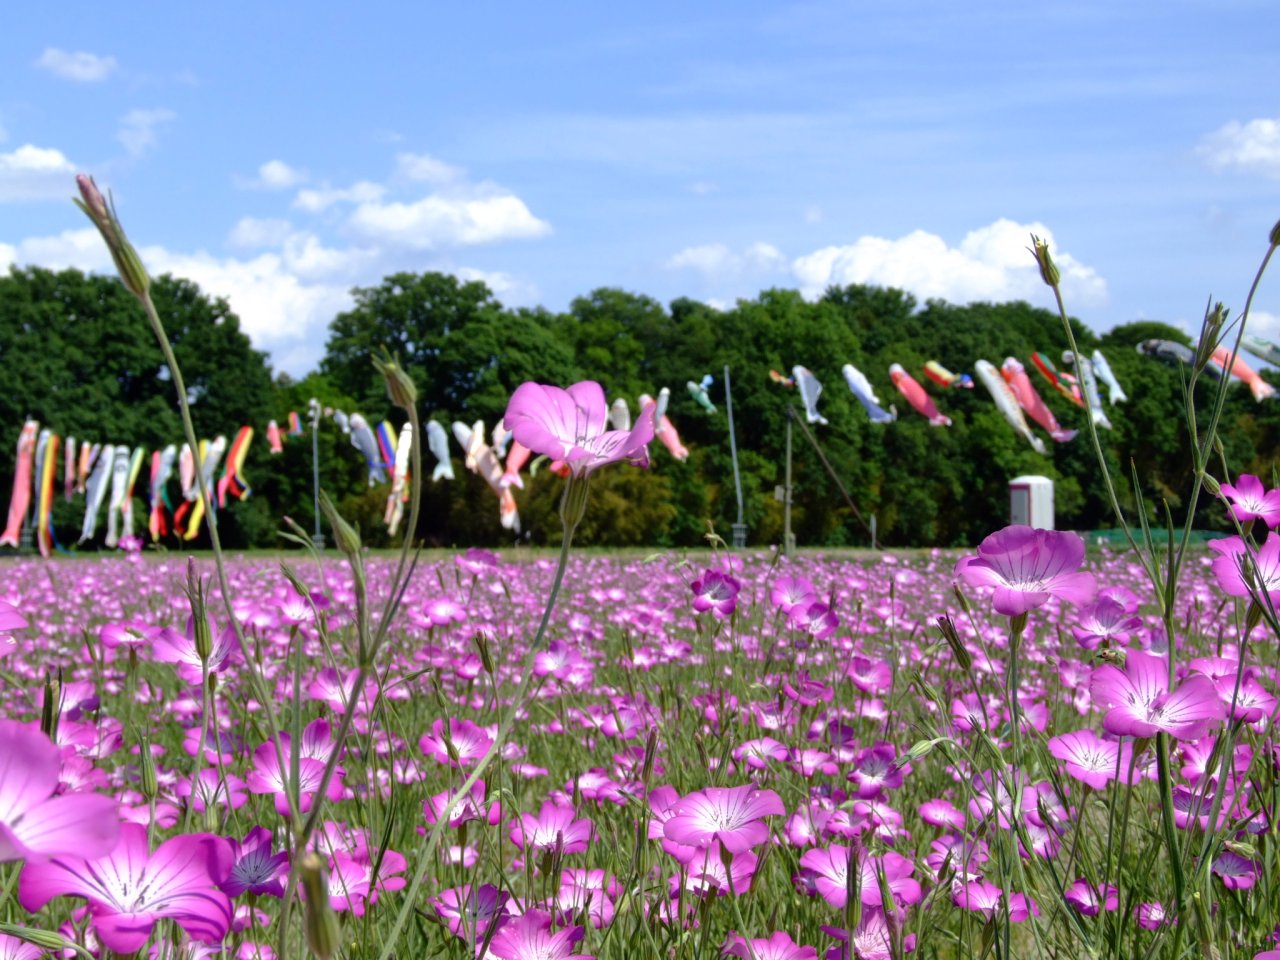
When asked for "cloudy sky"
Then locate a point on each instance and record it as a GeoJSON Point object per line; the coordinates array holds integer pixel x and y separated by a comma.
{"type": "Point", "coordinates": [282, 155]}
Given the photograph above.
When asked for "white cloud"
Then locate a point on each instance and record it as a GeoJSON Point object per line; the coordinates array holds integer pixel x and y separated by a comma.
{"type": "Point", "coordinates": [138, 129]}
{"type": "Point", "coordinates": [437, 220]}
{"type": "Point", "coordinates": [991, 263]}
{"type": "Point", "coordinates": [35, 173]}
{"type": "Point", "coordinates": [718, 263]}
{"type": "Point", "coordinates": [279, 310]}
{"type": "Point", "coordinates": [319, 199]}
{"type": "Point", "coordinates": [79, 66]}
{"type": "Point", "coordinates": [277, 175]}
{"type": "Point", "coordinates": [423, 166]}
{"type": "Point", "coordinates": [252, 233]}
{"type": "Point", "coordinates": [1252, 147]}
{"type": "Point", "coordinates": [508, 289]}
{"type": "Point", "coordinates": [8, 256]}
{"type": "Point", "coordinates": [82, 248]}
{"type": "Point", "coordinates": [1263, 324]}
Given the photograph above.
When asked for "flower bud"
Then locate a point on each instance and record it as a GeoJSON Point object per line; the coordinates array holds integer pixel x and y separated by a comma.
{"type": "Point", "coordinates": [50, 708]}
{"type": "Point", "coordinates": [1211, 484]}
{"type": "Point", "coordinates": [150, 787]}
{"type": "Point", "coordinates": [344, 535]}
{"type": "Point", "coordinates": [1274, 236]}
{"type": "Point", "coordinates": [132, 273]}
{"type": "Point", "coordinates": [1252, 617]}
{"type": "Point", "coordinates": [1048, 269]}
{"type": "Point", "coordinates": [320, 923]}
{"type": "Point", "coordinates": [481, 640]}
{"type": "Point", "coordinates": [44, 939]}
{"type": "Point", "coordinates": [401, 389]}
{"type": "Point", "coordinates": [958, 649]}
{"type": "Point", "coordinates": [201, 631]}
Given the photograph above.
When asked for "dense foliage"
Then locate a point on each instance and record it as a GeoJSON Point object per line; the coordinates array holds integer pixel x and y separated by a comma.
{"type": "Point", "coordinates": [79, 358]}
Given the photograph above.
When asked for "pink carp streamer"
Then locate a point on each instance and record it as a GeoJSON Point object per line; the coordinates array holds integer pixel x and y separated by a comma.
{"type": "Point", "coordinates": [923, 404]}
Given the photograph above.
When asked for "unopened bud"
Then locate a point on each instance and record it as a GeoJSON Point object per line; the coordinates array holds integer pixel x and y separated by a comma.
{"type": "Point", "coordinates": [201, 631]}
{"type": "Point", "coordinates": [1252, 617]}
{"type": "Point", "coordinates": [958, 649]}
{"type": "Point", "coordinates": [147, 763]}
{"type": "Point", "coordinates": [961, 598]}
{"type": "Point", "coordinates": [132, 273]}
{"type": "Point", "coordinates": [320, 923]}
{"type": "Point", "coordinates": [650, 750]}
{"type": "Point", "coordinates": [481, 640]}
{"type": "Point", "coordinates": [344, 535]}
{"type": "Point", "coordinates": [1048, 269]}
{"type": "Point", "coordinates": [45, 939]}
{"type": "Point", "coordinates": [401, 390]}
{"type": "Point", "coordinates": [1274, 236]}
{"type": "Point", "coordinates": [51, 707]}
{"type": "Point", "coordinates": [1211, 484]}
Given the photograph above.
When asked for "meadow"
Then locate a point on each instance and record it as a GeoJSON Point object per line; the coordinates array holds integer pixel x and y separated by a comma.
{"type": "Point", "coordinates": [693, 757]}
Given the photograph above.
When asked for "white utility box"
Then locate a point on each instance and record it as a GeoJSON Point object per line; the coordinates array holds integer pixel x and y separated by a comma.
{"type": "Point", "coordinates": [1031, 502]}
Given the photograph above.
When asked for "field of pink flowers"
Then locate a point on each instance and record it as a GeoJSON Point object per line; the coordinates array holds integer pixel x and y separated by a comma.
{"type": "Point", "coordinates": [720, 754]}
{"type": "Point", "coordinates": [1017, 752]}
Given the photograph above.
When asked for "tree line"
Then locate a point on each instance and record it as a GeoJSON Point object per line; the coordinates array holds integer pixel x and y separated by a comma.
{"type": "Point", "coordinates": [76, 354]}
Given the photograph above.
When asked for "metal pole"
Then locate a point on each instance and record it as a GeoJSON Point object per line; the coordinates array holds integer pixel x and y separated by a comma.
{"type": "Point", "coordinates": [739, 528]}
{"type": "Point", "coordinates": [788, 538]}
{"type": "Point", "coordinates": [318, 537]}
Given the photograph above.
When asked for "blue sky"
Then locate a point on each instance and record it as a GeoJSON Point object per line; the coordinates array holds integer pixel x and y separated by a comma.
{"type": "Point", "coordinates": [281, 155]}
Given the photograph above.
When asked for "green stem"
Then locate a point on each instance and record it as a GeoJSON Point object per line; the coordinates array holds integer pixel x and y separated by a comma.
{"type": "Point", "coordinates": [427, 848]}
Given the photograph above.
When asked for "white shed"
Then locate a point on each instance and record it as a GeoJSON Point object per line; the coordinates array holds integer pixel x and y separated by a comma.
{"type": "Point", "coordinates": [1031, 502]}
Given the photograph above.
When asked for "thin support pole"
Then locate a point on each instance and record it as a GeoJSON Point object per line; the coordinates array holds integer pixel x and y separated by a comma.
{"type": "Point", "coordinates": [831, 470]}
{"type": "Point", "coordinates": [788, 538]}
{"type": "Point", "coordinates": [318, 537]}
{"type": "Point", "coordinates": [739, 528]}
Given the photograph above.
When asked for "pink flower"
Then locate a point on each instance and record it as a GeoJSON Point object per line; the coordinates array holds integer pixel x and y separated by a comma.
{"type": "Point", "coordinates": [815, 619]}
{"type": "Point", "coordinates": [1235, 872]}
{"type": "Point", "coordinates": [570, 425]}
{"type": "Point", "coordinates": [267, 777]}
{"type": "Point", "coordinates": [11, 948]}
{"type": "Point", "coordinates": [1104, 620]}
{"type": "Point", "coordinates": [1233, 555]}
{"type": "Point", "coordinates": [985, 897]}
{"type": "Point", "coordinates": [829, 868]}
{"type": "Point", "coordinates": [352, 883]}
{"type": "Point", "coordinates": [717, 592]}
{"type": "Point", "coordinates": [254, 868]}
{"type": "Point", "coordinates": [1140, 704]}
{"type": "Point", "coordinates": [554, 826]}
{"type": "Point", "coordinates": [791, 592]}
{"type": "Point", "coordinates": [1027, 567]}
{"type": "Point", "coordinates": [731, 815]}
{"type": "Point", "coordinates": [875, 770]}
{"type": "Point", "coordinates": [169, 646]}
{"type": "Point", "coordinates": [1250, 501]}
{"type": "Point", "coordinates": [705, 871]}
{"type": "Point", "coordinates": [463, 744]}
{"type": "Point", "coordinates": [777, 946]}
{"type": "Point", "coordinates": [130, 889]}
{"type": "Point", "coordinates": [468, 911]}
{"type": "Point", "coordinates": [1091, 900]}
{"type": "Point", "coordinates": [529, 937]}
{"type": "Point", "coordinates": [1090, 759]}
{"type": "Point", "coordinates": [35, 824]}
